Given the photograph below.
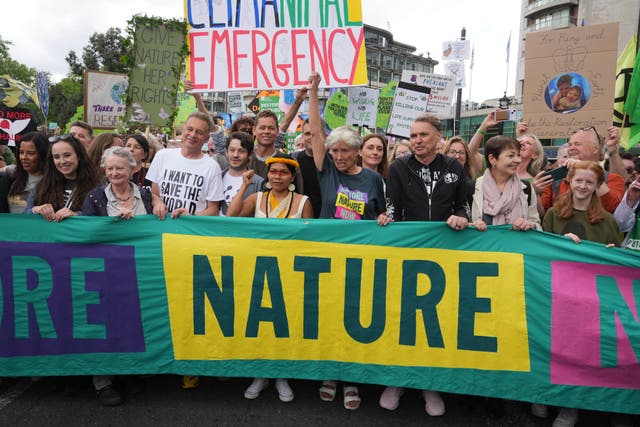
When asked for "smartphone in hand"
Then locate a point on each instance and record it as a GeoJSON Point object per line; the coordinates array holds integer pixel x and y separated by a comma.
{"type": "Point", "coordinates": [557, 173]}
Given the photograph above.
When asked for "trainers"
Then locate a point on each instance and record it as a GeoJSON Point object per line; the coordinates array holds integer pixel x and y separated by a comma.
{"type": "Point", "coordinates": [539, 410]}
{"type": "Point", "coordinates": [284, 391]}
{"type": "Point", "coordinates": [567, 417]}
{"type": "Point", "coordinates": [434, 405]}
{"type": "Point", "coordinates": [390, 398]}
{"type": "Point", "coordinates": [109, 396]}
{"type": "Point", "coordinates": [256, 387]}
{"type": "Point", "coordinates": [190, 382]}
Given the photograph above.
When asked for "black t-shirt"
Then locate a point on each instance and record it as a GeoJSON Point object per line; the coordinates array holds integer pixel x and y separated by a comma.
{"type": "Point", "coordinates": [311, 183]}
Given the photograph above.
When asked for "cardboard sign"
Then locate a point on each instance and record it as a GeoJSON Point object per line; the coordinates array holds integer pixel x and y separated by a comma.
{"type": "Point", "coordinates": [570, 79]}
{"type": "Point", "coordinates": [15, 122]}
{"type": "Point", "coordinates": [441, 95]}
{"type": "Point", "coordinates": [270, 45]}
{"type": "Point", "coordinates": [363, 106]}
{"type": "Point", "coordinates": [410, 101]}
{"type": "Point", "coordinates": [153, 82]}
{"type": "Point", "coordinates": [104, 98]}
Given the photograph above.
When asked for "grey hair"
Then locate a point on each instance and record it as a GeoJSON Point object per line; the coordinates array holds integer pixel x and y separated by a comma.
{"type": "Point", "coordinates": [345, 134]}
{"type": "Point", "coordinates": [121, 152]}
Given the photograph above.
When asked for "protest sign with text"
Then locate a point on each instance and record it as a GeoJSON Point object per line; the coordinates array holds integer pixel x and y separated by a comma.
{"type": "Point", "coordinates": [570, 79]}
{"type": "Point", "coordinates": [441, 95]}
{"type": "Point", "coordinates": [409, 102]}
{"type": "Point", "coordinates": [276, 44]}
{"type": "Point", "coordinates": [363, 106]}
{"type": "Point", "coordinates": [413, 304]}
{"type": "Point", "coordinates": [104, 98]}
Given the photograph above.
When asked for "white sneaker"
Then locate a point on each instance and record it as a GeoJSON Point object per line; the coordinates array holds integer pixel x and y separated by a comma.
{"type": "Point", "coordinates": [567, 417]}
{"type": "Point", "coordinates": [390, 398]}
{"type": "Point", "coordinates": [284, 391]}
{"type": "Point", "coordinates": [256, 387]}
{"type": "Point", "coordinates": [539, 410]}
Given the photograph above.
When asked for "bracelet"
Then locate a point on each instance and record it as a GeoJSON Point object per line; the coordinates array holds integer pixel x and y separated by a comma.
{"type": "Point", "coordinates": [481, 132]}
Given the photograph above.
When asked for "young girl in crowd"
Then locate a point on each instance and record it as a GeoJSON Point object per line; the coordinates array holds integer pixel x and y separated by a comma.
{"type": "Point", "coordinates": [68, 177]}
{"type": "Point", "coordinates": [578, 214]}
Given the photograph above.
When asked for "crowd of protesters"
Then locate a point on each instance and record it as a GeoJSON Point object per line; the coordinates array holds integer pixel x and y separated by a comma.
{"type": "Point", "coordinates": [247, 174]}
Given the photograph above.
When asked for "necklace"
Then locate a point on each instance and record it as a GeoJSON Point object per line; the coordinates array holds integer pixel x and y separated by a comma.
{"type": "Point", "coordinates": [279, 209]}
{"type": "Point", "coordinates": [122, 200]}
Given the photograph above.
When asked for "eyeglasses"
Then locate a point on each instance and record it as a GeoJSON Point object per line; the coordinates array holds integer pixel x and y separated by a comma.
{"type": "Point", "coordinates": [587, 129]}
{"type": "Point", "coordinates": [276, 172]}
{"type": "Point", "coordinates": [64, 137]}
{"type": "Point", "coordinates": [454, 153]}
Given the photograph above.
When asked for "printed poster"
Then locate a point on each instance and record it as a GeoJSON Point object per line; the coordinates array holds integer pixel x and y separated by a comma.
{"type": "Point", "coordinates": [410, 101]}
{"type": "Point", "coordinates": [104, 98]}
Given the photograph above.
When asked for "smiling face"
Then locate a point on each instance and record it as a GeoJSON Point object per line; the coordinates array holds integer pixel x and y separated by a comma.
{"type": "Point", "coordinates": [195, 134]}
{"type": "Point", "coordinates": [29, 157]}
{"type": "Point", "coordinates": [117, 170]}
{"type": "Point", "coordinates": [528, 149]}
{"type": "Point", "coordinates": [279, 176]}
{"type": "Point", "coordinates": [344, 157]}
{"type": "Point", "coordinates": [266, 131]}
{"type": "Point", "coordinates": [507, 162]}
{"type": "Point", "coordinates": [65, 159]}
{"type": "Point", "coordinates": [584, 184]}
{"type": "Point", "coordinates": [583, 145]}
{"type": "Point", "coordinates": [237, 155]}
{"type": "Point", "coordinates": [372, 152]}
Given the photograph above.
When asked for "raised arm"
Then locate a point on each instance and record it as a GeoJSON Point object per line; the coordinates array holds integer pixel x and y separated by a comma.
{"type": "Point", "coordinates": [315, 126]}
{"type": "Point", "coordinates": [301, 94]}
{"type": "Point", "coordinates": [476, 141]}
{"type": "Point", "coordinates": [188, 86]}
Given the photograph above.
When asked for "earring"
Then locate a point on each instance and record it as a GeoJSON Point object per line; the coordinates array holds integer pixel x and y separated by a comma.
{"type": "Point", "coordinates": [268, 185]}
{"type": "Point", "coordinates": [291, 187]}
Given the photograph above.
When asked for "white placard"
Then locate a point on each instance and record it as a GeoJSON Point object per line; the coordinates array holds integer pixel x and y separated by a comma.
{"type": "Point", "coordinates": [235, 102]}
{"type": "Point", "coordinates": [104, 98]}
{"type": "Point", "coordinates": [456, 70]}
{"type": "Point", "coordinates": [457, 50]}
{"type": "Point", "coordinates": [363, 106]}
{"type": "Point", "coordinates": [441, 86]}
{"type": "Point", "coordinates": [409, 102]}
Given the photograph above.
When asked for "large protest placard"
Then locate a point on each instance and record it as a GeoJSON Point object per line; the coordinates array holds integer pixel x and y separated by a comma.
{"type": "Point", "coordinates": [363, 106]}
{"type": "Point", "coordinates": [570, 79]}
{"type": "Point", "coordinates": [385, 101]}
{"type": "Point", "coordinates": [264, 45]}
{"type": "Point", "coordinates": [442, 87]}
{"type": "Point", "coordinates": [409, 102]}
{"type": "Point", "coordinates": [235, 102]}
{"type": "Point", "coordinates": [412, 304]}
{"type": "Point", "coordinates": [15, 122]}
{"type": "Point", "coordinates": [105, 97]}
{"type": "Point", "coordinates": [159, 51]}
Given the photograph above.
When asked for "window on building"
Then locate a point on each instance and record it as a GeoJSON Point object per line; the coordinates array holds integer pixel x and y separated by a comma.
{"type": "Point", "coordinates": [387, 60]}
{"type": "Point", "coordinates": [370, 37]}
{"type": "Point", "coordinates": [373, 74]}
{"type": "Point", "coordinates": [385, 77]}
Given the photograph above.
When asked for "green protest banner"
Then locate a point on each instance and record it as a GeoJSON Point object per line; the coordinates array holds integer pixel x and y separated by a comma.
{"type": "Point", "coordinates": [335, 110]}
{"type": "Point", "coordinates": [159, 48]}
{"type": "Point", "coordinates": [528, 316]}
{"type": "Point", "coordinates": [385, 101]}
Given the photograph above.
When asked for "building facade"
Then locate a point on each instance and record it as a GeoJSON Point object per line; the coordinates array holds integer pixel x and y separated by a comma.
{"type": "Point", "coordinates": [545, 15]}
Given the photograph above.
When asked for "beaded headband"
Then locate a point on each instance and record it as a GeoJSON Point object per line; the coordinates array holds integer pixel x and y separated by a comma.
{"type": "Point", "coordinates": [290, 162]}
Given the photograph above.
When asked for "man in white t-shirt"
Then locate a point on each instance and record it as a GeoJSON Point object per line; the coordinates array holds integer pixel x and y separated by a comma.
{"type": "Point", "coordinates": [187, 181]}
{"type": "Point", "coordinates": [239, 147]}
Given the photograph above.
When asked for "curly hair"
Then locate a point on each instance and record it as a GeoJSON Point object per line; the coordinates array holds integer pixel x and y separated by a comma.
{"type": "Point", "coordinates": [51, 188]}
{"type": "Point", "coordinates": [564, 202]}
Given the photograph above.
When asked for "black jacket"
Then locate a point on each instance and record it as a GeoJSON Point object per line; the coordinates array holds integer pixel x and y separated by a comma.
{"type": "Point", "coordinates": [410, 201]}
{"type": "Point", "coordinates": [95, 204]}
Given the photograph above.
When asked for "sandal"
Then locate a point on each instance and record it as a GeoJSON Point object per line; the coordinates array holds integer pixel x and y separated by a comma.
{"type": "Point", "coordinates": [328, 391]}
{"type": "Point", "coordinates": [351, 398]}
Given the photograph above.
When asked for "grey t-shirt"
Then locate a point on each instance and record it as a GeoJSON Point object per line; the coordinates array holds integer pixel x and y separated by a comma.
{"type": "Point", "coordinates": [359, 196]}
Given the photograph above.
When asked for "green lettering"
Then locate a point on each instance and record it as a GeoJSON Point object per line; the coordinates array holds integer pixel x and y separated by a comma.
{"type": "Point", "coordinates": [324, 12]}
{"type": "Point", "coordinates": [267, 272]}
{"type": "Point", "coordinates": [312, 267]}
{"type": "Point", "coordinates": [352, 296]}
{"type": "Point", "coordinates": [469, 304]}
{"type": "Point", "coordinates": [611, 303]}
{"type": "Point", "coordinates": [32, 286]}
{"type": "Point", "coordinates": [412, 302]}
{"type": "Point", "coordinates": [81, 298]}
{"type": "Point", "coordinates": [220, 298]}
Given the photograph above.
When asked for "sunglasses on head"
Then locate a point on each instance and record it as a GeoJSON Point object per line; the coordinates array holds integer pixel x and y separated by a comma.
{"type": "Point", "coordinates": [587, 129]}
{"type": "Point", "coordinates": [64, 137]}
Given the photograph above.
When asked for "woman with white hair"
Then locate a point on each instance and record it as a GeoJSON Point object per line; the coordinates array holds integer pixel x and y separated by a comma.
{"type": "Point", "coordinates": [348, 191]}
{"type": "Point", "coordinates": [119, 196]}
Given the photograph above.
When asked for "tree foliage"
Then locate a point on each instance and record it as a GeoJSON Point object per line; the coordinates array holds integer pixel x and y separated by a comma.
{"type": "Point", "coordinates": [103, 53]}
{"type": "Point", "coordinates": [13, 68]}
{"type": "Point", "coordinates": [64, 99]}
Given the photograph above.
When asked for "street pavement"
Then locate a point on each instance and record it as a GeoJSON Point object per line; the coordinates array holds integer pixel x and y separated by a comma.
{"type": "Point", "coordinates": [45, 402]}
